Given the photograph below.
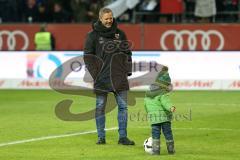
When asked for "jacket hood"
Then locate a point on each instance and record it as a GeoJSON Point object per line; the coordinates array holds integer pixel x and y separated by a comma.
{"type": "Point", "coordinates": [156, 90]}
{"type": "Point", "coordinates": [104, 31]}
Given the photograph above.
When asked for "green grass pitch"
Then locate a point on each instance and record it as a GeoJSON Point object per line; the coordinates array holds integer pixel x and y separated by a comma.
{"type": "Point", "coordinates": [206, 127]}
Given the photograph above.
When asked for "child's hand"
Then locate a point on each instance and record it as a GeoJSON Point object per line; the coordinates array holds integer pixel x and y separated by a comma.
{"type": "Point", "coordinates": [173, 109]}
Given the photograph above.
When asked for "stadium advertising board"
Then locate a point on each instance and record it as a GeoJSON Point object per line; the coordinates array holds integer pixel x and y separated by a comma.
{"type": "Point", "coordinates": [188, 70]}
{"type": "Point", "coordinates": [143, 36]}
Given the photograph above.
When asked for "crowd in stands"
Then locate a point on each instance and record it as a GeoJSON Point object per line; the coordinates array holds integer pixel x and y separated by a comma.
{"type": "Point", "coordinates": [51, 11]}
{"type": "Point", "coordinates": [189, 11]}
{"type": "Point", "coordinates": [149, 11]}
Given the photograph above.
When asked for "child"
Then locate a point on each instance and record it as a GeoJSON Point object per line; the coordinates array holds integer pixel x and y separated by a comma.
{"type": "Point", "coordinates": [159, 109]}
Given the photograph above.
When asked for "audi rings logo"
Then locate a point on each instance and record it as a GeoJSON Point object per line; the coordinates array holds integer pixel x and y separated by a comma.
{"type": "Point", "coordinates": [205, 38]}
{"type": "Point", "coordinates": [12, 38]}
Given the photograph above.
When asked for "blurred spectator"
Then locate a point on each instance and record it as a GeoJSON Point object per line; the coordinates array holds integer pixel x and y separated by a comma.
{"type": "Point", "coordinates": [80, 10]}
{"type": "Point", "coordinates": [189, 10]}
{"type": "Point", "coordinates": [60, 15]}
{"type": "Point", "coordinates": [150, 6]}
{"type": "Point", "coordinates": [126, 16]}
{"type": "Point", "coordinates": [40, 1]}
{"type": "Point", "coordinates": [94, 8]}
{"type": "Point", "coordinates": [44, 40]}
{"type": "Point", "coordinates": [30, 12]}
{"type": "Point", "coordinates": [50, 4]}
{"type": "Point", "coordinates": [230, 6]}
{"type": "Point", "coordinates": [9, 11]}
{"type": "Point", "coordinates": [220, 9]}
{"type": "Point", "coordinates": [84, 11]}
{"type": "Point", "coordinates": [66, 4]}
{"type": "Point", "coordinates": [173, 10]}
{"type": "Point", "coordinates": [205, 10]}
{"type": "Point", "coordinates": [107, 2]}
{"type": "Point", "coordinates": [43, 12]}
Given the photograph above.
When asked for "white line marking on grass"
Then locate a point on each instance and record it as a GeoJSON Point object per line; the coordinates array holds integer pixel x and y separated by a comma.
{"type": "Point", "coordinates": [109, 129]}
{"type": "Point", "coordinates": [51, 137]}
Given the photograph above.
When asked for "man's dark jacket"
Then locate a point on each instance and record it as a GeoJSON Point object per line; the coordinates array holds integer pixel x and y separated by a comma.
{"type": "Point", "coordinates": [107, 57]}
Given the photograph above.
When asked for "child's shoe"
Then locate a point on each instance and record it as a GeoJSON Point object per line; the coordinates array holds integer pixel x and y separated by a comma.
{"type": "Point", "coordinates": [156, 146]}
{"type": "Point", "coordinates": [170, 147]}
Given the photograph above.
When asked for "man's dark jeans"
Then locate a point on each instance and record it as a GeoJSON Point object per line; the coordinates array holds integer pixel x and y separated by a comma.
{"type": "Point", "coordinates": [121, 99]}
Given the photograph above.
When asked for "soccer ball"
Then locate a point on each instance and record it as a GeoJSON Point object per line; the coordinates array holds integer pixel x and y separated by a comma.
{"type": "Point", "coordinates": [147, 145]}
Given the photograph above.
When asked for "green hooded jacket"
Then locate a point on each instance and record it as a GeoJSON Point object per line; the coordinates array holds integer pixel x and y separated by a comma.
{"type": "Point", "coordinates": [158, 108]}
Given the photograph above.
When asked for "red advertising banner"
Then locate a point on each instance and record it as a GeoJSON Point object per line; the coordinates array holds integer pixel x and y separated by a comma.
{"type": "Point", "coordinates": [68, 36]}
{"type": "Point", "coordinates": [143, 36]}
{"type": "Point", "coordinates": [192, 37]}
{"type": "Point", "coordinates": [17, 37]}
